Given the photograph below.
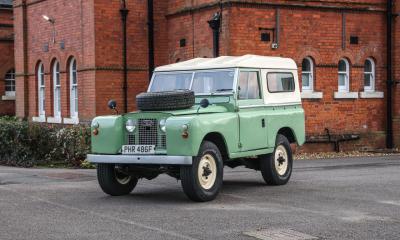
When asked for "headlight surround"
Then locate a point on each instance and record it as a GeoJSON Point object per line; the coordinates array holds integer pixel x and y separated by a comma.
{"type": "Point", "coordinates": [162, 124]}
{"type": "Point", "coordinates": [185, 127]}
{"type": "Point", "coordinates": [130, 125]}
{"type": "Point", "coordinates": [95, 124]}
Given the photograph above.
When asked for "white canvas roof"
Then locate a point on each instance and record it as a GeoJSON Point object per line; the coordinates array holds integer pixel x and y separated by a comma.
{"type": "Point", "coordinates": [246, 61]}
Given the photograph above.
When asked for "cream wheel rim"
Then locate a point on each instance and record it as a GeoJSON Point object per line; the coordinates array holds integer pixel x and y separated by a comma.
{"type": "Point", "coordinates": [207, 171]}
{"type": "Point", "coordinates": [281, 160]}
{"type": "Point", "coordinates": [121, 177]}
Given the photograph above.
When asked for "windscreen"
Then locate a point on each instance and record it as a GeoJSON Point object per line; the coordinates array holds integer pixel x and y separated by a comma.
{"type": "Point", "coordinates": [171, 82]}
{"type": "Point", "coordinates": [201, 82]}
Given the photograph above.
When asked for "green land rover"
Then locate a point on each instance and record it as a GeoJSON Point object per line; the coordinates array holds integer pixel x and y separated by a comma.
{"type": "Point", "coordinates": [199, 116]}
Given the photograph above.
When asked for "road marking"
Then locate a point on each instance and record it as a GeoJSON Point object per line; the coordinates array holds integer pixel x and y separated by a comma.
{"type": "Point", "coordinates": [396, 203]}
{"type": "Point", "coordinates": [279, 234]}
{"type": "Point", "coordinates": [60, 205]}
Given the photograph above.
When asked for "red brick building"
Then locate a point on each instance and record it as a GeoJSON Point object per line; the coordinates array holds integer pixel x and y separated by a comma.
{"type": "Point", "coordinates": [7, 72]}
{"type": "Point", "coordinates": [69, 55]}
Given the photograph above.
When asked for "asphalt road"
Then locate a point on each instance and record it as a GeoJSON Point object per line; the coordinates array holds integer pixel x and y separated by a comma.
{"type": "Point", "coordinates": [354, 198]}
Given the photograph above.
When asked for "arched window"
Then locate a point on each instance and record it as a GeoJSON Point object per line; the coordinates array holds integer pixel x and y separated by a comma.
{"type": "Point", "coordinates": [369, 75]}
{"type": "Point", "coordinates": [307, 76]}
{"type": "Point", "coordinates": [344, 77]}
{"type": "Point", "coordinates": [10, 83]}
{"type": "Point", "coordinates": [56, 90]}
{"type": "Point", "coordinates": [41, 90]}
{"type": "Point", "coordinates": [73, 93]}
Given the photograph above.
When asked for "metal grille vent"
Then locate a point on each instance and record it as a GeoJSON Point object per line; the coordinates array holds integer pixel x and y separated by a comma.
{"type": "Point", "coordinates": [148, 134]}
{"type": "Point", "coordinates": [148, 131]}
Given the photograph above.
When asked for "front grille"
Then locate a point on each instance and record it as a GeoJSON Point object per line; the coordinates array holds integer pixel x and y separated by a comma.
{"type": "Point", "coordinates": [148, 133]}
{"type": "Point", "coordinates": [148, 130]}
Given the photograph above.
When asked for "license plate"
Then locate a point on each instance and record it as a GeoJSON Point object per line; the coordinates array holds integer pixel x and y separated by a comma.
{"type": "Point", "coordinates": [138, 149]}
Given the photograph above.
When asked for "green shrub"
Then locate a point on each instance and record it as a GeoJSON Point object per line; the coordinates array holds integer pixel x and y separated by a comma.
{"type": "Point", "coordinates": [28, 144]}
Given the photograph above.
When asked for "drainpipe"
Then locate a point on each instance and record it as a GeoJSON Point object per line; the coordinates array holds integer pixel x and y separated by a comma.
{"type": "Point", "coordinates": [150, 31]}
{"type": "Point", "coordinates": [215, 24]}
{"type": "Point", "coordinates": [124, 14]}
{"type": "Point", "coordinates": [389, 83]}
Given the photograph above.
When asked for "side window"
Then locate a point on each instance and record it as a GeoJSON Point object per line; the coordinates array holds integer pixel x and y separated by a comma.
{"type": "Point", "coordinates": [280, 82]}
{"type": "Point", "coordinates": [369, 75]}
{"type": "Point", "coordinates": [249, 85]}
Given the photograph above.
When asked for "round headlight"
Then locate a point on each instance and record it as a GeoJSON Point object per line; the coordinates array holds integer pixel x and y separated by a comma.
{"type": "Point", "coordinates": [163, 125]}
{"type": "Point", "coordinates": [130, 125]}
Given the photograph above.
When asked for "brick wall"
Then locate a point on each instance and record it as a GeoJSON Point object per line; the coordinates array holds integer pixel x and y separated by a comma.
{"type": "Point", "coordinates": [303, 32]}
{"type": "Point", "coordinates": [7, 107]}
{"type": "Point", "coordinates": [92, 32]}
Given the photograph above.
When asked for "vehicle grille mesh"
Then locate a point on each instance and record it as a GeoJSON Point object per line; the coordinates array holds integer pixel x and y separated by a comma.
{"type": "Point", "coordinates": [148, 133]}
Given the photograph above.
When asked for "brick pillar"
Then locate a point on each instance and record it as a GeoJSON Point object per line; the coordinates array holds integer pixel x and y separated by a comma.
{"type": "Point", "coordinates": [396, 69]}
{"type": "Point", "coordinates": [21, 58]}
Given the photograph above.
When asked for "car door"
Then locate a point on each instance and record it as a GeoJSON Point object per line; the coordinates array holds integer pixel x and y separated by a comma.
{"type": "Point", "coordinates": [252, 123]}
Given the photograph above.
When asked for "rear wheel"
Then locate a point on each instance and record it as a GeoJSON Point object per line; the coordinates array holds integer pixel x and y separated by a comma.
{"type": "Point", "coordinates": [202, 180]}
{"type": "Point", "coordinates": [276, 168]}
{"type": "Point", "coordinates": [113, 181]}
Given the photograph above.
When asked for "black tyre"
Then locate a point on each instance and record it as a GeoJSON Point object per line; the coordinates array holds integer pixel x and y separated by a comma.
{"type": "Point", "coordinates": [153, 101]}
{"type": "Point", "coordinates": [113, 182]}
{"type": "Point", "coordinates": [276, 168]}
{"type": "Point", "coordinates": [202, 180]}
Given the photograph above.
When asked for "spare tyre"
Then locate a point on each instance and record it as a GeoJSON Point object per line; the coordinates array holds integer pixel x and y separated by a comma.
{"type": "Point", "coordinates": [168, 100]}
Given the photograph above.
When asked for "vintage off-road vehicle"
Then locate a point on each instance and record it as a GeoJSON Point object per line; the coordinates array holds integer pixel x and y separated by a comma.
{"type": "Point", "coordinates": [199, 116]}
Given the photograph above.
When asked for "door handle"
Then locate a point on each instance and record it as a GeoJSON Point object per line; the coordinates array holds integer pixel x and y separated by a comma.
{"type": "Point", "coordinates": [263, 123]}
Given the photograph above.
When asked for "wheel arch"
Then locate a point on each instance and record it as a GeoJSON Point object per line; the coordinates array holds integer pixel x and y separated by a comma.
{"type": "Point", "coordinates": [289, 134]}
{"type": "Point", "coordinates": [219, 140]}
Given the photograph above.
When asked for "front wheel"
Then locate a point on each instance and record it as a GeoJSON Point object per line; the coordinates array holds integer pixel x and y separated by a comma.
{"type": "Point", "coordinates": [202, 180]}
{"type": "Point", "coordinates": [276, 168]}
{"type": "Point", "coordinates": [113, 181]}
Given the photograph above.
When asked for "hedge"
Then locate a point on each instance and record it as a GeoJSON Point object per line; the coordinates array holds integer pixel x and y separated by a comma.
{"type": "Point", "coordinates": [27, 144]}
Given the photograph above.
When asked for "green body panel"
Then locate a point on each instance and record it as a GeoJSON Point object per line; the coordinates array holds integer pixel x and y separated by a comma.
{"type": "Point", "coordinates": [110, 137]}
{"type": "Point", "coordinates": [225, 124]}
{"type": "Point", "coordinates": [248, 132]}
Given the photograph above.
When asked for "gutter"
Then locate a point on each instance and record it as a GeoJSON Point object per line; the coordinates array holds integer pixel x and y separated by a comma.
{"type": "Point", "coordinates": [150, 32]}
{"type": "Point", "coordinates": [124, 15]}
{"type": "Point", "coordinates": [390, 82]}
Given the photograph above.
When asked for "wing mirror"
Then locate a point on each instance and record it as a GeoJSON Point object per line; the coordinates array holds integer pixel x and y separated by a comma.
{"type": "Point", "coordinates": [112, 104]}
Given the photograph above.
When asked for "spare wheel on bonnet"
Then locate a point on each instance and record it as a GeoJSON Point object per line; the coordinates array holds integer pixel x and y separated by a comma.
{"type": "Point", "coordinates": [168, 100]}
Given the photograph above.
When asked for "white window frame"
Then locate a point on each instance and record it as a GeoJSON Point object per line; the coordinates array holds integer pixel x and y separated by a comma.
{"type": "Point", "coordinates": [41, 90]}
{"type": "Point", "coordinates": [9, 77]}
{"type": "Point", "coordinates": [310, 74]}
{"type": "Point", "coordinates": [370, 88]}
{"type": "Point", "coordinates": [73, 89]}
{"type": "Point", "coordinates": [346, 87]}
{"type": "Point", "coordinates": [56, 90]}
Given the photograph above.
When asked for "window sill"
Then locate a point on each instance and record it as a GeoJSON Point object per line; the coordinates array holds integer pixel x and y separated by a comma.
{"type": "Point", "coordinates": [39, 119]}
{"type": "Point", "coordinates": [71, 121]}
{"type": "Point", "coordinates": [8, 98]}
{"type": "Point", "coordinates": [54, 120]}
{"type": "Point", "coordinates": [371, 94]}
{"type": "Point", "coordinates": [345, 95]}
{"type": "Point", "coordinates": [311, 95]}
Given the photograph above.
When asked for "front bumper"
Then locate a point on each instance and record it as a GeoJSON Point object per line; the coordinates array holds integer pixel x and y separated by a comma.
{"type": "Point", "coordinates": [140, 159]}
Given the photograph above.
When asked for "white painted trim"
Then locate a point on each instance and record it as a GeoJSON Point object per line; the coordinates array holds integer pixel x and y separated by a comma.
{"type": "Point", "coordinates": [311, 95]}
{"type": "Point", "coordinates": [71, 120]}
{"type": "Point", "coordinates": [39, 119]}
{"type": "Point", "coordinates": [54, 120]}
{"type": "Point", "coordinates": [346, 95]}
{"type": "Point", "coordinates": [8, 98]}
{"type": "Point", "coordinates": [368, 94]}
